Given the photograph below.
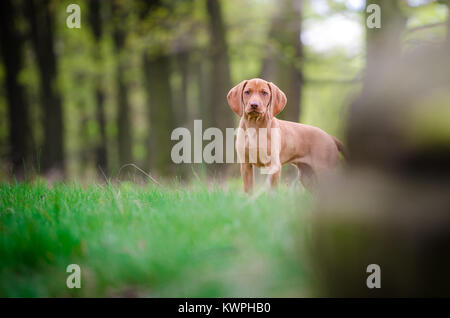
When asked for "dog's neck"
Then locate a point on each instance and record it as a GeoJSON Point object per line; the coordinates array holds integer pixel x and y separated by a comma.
{"type": "Point", "coordinates": [262, 121]}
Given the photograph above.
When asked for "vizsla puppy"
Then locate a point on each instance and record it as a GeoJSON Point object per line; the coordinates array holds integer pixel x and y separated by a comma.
{"type": "Point", "coordinates": [310, 149]}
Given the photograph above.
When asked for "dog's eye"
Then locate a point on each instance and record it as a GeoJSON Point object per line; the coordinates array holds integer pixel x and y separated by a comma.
{"type": "Point", "coordinates": [247, 92]}
{"type": "Point", "coordinates": [264, 93]}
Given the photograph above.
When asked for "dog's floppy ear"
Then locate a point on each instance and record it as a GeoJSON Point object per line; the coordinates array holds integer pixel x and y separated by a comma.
{"type": "Point", "coordinates": [235, 97]}
{"type": "Point", "coordinates": [278, 99]}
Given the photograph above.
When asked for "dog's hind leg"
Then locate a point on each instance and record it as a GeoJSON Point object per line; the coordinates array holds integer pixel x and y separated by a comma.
{"type": "Point", "coordinates": [274, 178]}
{"type": "Point", "coordinates": [307, 177]}
{"type": "Point", "coordinates": [296, 182]}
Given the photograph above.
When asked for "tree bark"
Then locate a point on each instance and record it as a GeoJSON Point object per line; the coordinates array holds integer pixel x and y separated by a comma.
{"type": "Point", "coordinates": [219, 80]}
{"type": "Point", "coordinates": [447, 35]}
{"type": "Point", "coordinates": [200, 73]}
{"type": "Point", "coordinates": [42, 35]}
{"type": "Point", "coordinates": [383, 44]}
{"type": "Point", "coordinates": [162, 117]}
{"type": "Point", "coordinates": [123, 111]}
{"type": "Point", "coordinates": [282, 65]}
{"type": "Point", "coordinates": [220, 72]}
{"type": "Point", "coordinates": [96, 24]}
{"type": "Point", "coordinates": [20, 138]}
{"type": "Point", "coordinates": [383, 55]}
{"type": "Point", "coordinates": [182, 59]}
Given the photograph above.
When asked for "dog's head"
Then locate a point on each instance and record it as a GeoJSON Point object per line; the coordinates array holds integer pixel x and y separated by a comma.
{"type": "Point", "coordinates": [255, 98]}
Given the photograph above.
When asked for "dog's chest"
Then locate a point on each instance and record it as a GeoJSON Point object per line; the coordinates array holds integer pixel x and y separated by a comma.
{"type": "Point", "coordinates": [253, 146]}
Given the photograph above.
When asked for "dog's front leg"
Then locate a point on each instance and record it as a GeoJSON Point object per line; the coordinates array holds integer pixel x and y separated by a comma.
{"type": "Point", "coordinates": [274, 174]}
{"type": "Point", "coordinates": [247, 176]}
{"type": "Point", "coordinates": [274, 179]}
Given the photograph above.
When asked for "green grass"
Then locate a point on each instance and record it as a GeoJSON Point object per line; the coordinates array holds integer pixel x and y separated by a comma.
{"type": "Point", "coordinates": [129, 240]}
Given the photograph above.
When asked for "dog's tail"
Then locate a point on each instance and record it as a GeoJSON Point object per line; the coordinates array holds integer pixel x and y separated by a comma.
{"type": "Point", "coordinates": [341, 147]}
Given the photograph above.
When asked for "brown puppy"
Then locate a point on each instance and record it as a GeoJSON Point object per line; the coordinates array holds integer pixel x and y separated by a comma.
{"type": "Point", "coordinates": [310, 149]}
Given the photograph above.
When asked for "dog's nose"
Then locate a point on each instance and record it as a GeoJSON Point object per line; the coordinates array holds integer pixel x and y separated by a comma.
{"type": "Point", "coordinates": [254, 105]}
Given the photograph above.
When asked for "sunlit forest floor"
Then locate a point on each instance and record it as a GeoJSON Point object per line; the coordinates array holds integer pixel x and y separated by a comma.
{"type": "Point", "coordinates": [153, 241]}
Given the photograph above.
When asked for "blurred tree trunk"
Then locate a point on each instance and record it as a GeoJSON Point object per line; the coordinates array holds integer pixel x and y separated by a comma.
{"type": "Point", "coordinates": [182, 107]}
{"type": "Point", "coordinates": [383, 44]}
{"type": "Point", "coordinates": [447, 2]}
{"type": "Point", "coordinates": [182, 61]}
{"type": "Point", "coordinates": [282, 65]}
{"type": "Point", "coordinates": [219, 80]}
{"type": "Point", "coordinates": [200, 73]}
{"type": "Point", "coordinates": [162, 118]}
{"type": "Point", "coordinates": [42, 34]}
{"type": "Point", "coordinates": [84, 154]}
{"type": "Point", "coordinates": [20, 137]}
{"type": "Point", "coordinates": [204, 92]}
{"type": "Point", "coordinates": [12, 40]}
{"type": "Point", "coordinates": [123, 111]}
{"type": "Point", "coordinates": [96, 24]}
{"type": "Point", "coordinates": [220, 72]}
{"type": "Point", "coordinates": [448, 27]}
{"type": "Point", "coordinates": [383, 53]}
